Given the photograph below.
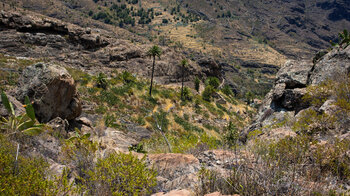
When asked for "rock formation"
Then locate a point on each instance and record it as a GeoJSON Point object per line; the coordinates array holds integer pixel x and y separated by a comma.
{"type": "Point", "coordinates": [285, 98]}
{"type": "Point", "coordinates": [52, 91]}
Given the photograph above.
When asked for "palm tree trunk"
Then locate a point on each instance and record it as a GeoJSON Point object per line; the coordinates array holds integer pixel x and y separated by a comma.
{"type": "Point", "coordinates": [182, 83]}
{"type": "Point", "coordinates": [150, 89]}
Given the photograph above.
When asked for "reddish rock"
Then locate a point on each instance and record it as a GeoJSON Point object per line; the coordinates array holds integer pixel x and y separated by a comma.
{"type": "Point", "coordinates": [182, 192]}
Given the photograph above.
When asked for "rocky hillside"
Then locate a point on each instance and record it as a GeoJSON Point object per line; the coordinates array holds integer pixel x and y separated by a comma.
{"type": "Point", "coordinates": [26, 34]}
{"type": "Point", "coordinates": [250, 39]}
{"type": "Point", "coordinates": [230, 27]}
{"type": "Point", "coordinates": [293, 28]}
{"type": "Point", "coordinates": [83, 117]}
{"type": "Point", "coordinates": [78, 116]}
{"type": "Point", "coordinates": [298, 83]}
{"type": "Point", "coordinates": [299, 142]}
{"type": "Point", "coordinates": [35, 36]}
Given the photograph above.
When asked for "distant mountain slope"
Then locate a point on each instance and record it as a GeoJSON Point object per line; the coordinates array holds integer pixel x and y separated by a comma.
{"type": "Point", "coordinates": [290, 26]}
{"type": "Point", "coordinates": [295, 28]}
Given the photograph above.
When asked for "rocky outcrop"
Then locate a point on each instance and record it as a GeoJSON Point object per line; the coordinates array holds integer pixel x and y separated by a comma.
{"type": "Point", "coordinates": [285, 98]}
{"type": "Point", "coordinates": [332, 64]}
{"type": "Point", "coordinates": [175, 171]}
{"type": "Point", "coordinates": [294, 74]}
{"type": "Point", "coordinates": [37, 28]}
{"type": "Point", "coordinates": [52, 91]}
{"type": "Point", "coordinates": [210, 67]}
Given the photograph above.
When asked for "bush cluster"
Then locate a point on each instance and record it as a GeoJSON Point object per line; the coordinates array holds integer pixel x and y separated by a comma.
{"type": "Point", "coordinates": [114, 174]}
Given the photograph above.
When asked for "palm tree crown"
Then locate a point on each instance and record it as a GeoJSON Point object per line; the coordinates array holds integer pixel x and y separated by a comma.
{"type": "Point", "coordinates": [155, 51]}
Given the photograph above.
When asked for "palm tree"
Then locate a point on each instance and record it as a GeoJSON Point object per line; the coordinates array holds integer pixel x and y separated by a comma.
{"type": "Point", "coordinates": [184, 63]}
{"type": "Point", "coordinates": [153, 52]}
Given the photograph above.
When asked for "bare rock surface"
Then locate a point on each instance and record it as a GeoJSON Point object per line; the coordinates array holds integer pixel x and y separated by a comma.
{"type": "Point", "coordinates": [178, 170]}
{"type": "Point", "coordinates": [331, 65]}
{"type": "Point", "coordinates": [294, 74]}
{"type": "Point", "coordinates": [52, 91]}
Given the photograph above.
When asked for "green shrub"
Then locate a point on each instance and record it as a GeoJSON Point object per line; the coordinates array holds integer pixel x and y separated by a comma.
{"type": "Point", "coordinates": [317, 94]}
{"type": "Point", "coordinates": [127, 77]}
{"type": "Point", "coordinates": [209, 181]}
{"type": "Point", "coordinates": [186, 125]}
{"type": "Point", "coordinates": [249, 97]}
{"type": "Point", "coordinates": [160, 121]}
{"type": "Point", "coordinates": [213, 81]}
{"type": "Point", "coordinates": [187, 94]}
{"type": "Point", "coordinates": [168, 94]}
{"type": "Point", "coordinates": [110, 121]}
{"type": "Point", "coordinates": [211, 127]}
{"type": "Point", "coordinates": [137, 148]}
{"type": "Point", "coordinates": [213, 110]}
{"type": "Point", "coordinates": [311, 122]}
{"type": "Point", "coordinates": [227, 90]}
{"type": "Point", "coordinates": [29, 176]}
{"type": "Point", "coordinates": [109, 97]}
{"type": "Point", "coordinates": [197, 84]}
{"type": "Point", "coordinates": [101, 81]}
{"type": "Point", "coordinates": [79, 151]}
{"type": "Point", "coordinates": [344, 39]}
{"type": "Point", "coordinates": [231, 136]}
{"type": "Point", "coordinates": [208, 92]}
{"type": "Point", "coordinates": [120, 174]}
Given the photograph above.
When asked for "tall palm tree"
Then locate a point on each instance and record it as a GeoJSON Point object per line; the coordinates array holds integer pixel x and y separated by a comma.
{"type": "Point", "coordinates": [184, 63]}
{"type": "Point", "coordinates": [153, 52]}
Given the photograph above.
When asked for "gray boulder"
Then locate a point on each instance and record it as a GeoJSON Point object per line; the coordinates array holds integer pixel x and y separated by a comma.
{"type": "Point", "coordinates": [335, 63]}
{"type": "Point", "coordinates": [294, 74]}
{"type": "Point", "coordinates": [52, 91]}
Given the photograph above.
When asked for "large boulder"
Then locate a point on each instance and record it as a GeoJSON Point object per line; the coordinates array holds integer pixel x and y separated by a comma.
{"type": "Point", "coordinates": [294, 74]}
{"type": "Point", "coordinates": [52, 91]}
{"type": "Point", "coordinates": [331, 65]}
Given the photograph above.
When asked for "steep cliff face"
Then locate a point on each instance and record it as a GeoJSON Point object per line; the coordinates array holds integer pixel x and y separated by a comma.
{"type": "Point", "coordinates": [286, 99]}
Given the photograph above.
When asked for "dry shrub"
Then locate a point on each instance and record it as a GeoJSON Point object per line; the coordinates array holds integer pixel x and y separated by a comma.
{"type": "Point", "coordinates": [291, 166]}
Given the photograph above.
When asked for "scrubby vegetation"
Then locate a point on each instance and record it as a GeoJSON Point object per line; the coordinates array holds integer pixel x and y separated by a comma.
{"type": "Point", "coordinates": [302, 164]}
{"type": "Point", "coordinates": [114, 174]}
{"type": "Point", "coordinates": [314, 161]}
{"type": "Point", "coordinates": [22, 175]}
{"type": "Point", "coordinates": [127, 97]}
{"type": "Point", "coordinates": [298, 165]}
{"type": "Point", "coordinates": [29, 174]}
